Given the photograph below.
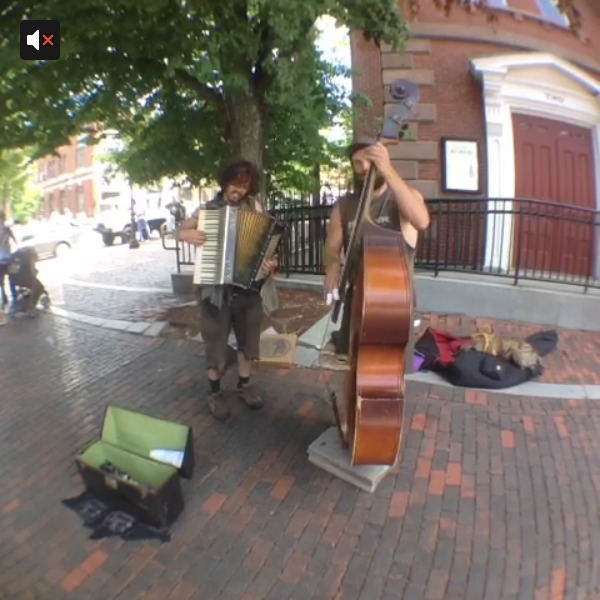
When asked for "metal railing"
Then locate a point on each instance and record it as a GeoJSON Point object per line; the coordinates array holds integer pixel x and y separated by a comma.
{"type": "Point", "coordinates": [519, 239]}
{"type": "Point", "coordinates": [184, 253]}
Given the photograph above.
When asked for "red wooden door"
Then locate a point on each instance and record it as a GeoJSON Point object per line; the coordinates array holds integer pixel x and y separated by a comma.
{"type": "Point", "coordinates": [554, 162]}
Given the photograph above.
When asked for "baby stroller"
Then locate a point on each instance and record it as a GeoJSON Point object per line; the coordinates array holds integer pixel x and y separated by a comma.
{"type": "Point", "coordinates": [23, 274]}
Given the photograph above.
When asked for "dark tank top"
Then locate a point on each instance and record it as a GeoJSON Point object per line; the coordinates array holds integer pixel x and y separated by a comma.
{"type": "Point", "coordinates": [384, 212]}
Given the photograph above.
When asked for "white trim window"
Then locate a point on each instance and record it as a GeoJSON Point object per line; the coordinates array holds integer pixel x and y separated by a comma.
{"type": "Point", "coordinates": [551, 13]}
{"type": "Point", "coordinates": [491, 3]}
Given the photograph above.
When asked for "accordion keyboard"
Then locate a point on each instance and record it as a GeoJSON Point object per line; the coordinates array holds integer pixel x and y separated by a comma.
{"type": "Point", "coordinates": [209, 256]}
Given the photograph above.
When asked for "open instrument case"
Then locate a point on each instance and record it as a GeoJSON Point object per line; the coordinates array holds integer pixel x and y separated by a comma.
{"type": "Point", "coordinates": [146, 457]}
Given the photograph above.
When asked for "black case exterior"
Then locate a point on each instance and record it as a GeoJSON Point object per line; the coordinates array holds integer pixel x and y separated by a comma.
{"type": "Point", "coordinates": [189, 460]}
{"type": "Point", "coordinates": [158, 507]}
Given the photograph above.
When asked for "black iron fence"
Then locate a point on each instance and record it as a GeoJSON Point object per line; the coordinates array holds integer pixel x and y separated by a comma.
{"type": "Point", "coordinates": [512, 238]}
{"type": "Point", "coordinates": [520, 239]}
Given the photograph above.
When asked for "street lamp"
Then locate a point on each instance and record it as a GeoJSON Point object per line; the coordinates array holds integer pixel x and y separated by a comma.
{"type": "Point", "coordinates": [133, 243]}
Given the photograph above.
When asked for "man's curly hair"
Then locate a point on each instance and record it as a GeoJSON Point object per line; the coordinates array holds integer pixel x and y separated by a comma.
{"type": "Point", "coordinates": [241, 172]}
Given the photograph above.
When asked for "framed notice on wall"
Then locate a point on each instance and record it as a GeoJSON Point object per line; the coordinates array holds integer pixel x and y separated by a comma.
{"type": "Point", "coordinates": [460, 166]}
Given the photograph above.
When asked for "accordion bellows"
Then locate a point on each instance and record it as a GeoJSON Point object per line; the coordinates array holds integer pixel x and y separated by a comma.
{"type": "Point", "coordinates": [238, 241]}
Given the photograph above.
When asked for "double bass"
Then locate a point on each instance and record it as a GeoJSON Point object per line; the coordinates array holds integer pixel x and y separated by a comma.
{"type": "Point", "coordinates": [382, 316]}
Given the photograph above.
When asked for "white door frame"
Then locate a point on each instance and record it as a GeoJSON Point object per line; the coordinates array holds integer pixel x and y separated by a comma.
{"type": "Point", "coordinates": [505, 93]}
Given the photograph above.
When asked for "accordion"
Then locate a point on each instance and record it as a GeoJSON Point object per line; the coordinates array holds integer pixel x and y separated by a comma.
{"type": "Point", "coordinates": [238, 241]}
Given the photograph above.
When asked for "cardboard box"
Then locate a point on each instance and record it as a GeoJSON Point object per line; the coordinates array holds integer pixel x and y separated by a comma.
{"type": "Point", "coordinates": [278, 350]}
{"type": "Point", "coordinates": [124, 468]}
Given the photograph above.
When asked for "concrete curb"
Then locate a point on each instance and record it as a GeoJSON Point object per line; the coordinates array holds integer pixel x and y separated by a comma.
{"type": "Point", "coordinates": [137, 327]}
{"type": "Point", "coordinates": [308, 352]}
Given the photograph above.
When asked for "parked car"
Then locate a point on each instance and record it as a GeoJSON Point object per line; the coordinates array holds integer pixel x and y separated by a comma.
{"type": "Point", "coordinates": [48, 240]}
{"type": "Point", "coordinates": [115, 224]}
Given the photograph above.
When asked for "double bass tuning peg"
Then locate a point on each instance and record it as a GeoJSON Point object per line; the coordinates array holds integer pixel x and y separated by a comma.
{"type": "Point", "coordinates": [402, 131]}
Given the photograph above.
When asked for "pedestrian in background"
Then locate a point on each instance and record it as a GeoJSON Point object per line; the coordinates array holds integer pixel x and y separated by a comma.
{"type": "Point", "coordinates": [6, 236]}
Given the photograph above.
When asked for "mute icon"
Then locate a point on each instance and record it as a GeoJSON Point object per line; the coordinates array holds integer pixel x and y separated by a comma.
{"type": "Point", "coordinates": [40, 40]}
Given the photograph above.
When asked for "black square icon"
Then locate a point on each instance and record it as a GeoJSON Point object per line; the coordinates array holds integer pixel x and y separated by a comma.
{"type": "Point", "coordinates": [40, 40]}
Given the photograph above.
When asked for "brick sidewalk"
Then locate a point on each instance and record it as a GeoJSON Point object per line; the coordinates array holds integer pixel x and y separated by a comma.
{"type": "Point", "coordinates": [495, 496]}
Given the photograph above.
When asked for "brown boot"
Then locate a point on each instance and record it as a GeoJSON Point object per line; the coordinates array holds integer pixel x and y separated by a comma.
{"type": "Point", "coordinates": [250, 397]}
{"type": "Point", "coordinates": [218, 406]}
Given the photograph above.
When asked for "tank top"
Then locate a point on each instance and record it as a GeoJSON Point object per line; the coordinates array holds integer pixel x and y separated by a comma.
{"type": "Point", "coordinates": [384, 212]}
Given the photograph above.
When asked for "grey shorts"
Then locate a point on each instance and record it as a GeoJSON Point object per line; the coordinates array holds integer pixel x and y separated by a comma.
{"type": "Point", "coordinates": [243, 314]}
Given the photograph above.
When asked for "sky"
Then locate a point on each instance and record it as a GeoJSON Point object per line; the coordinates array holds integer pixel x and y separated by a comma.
{"type": "Point", "coordinates": [334, 43]}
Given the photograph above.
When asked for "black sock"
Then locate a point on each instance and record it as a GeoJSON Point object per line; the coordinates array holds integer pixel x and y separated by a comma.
{"type": "Point", "coordinates": [215, 386]}
{"type": "Point", "coordinates": [242, 381]}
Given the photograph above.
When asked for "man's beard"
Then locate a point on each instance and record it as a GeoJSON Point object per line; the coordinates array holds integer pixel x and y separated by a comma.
{"type": "Point", "coordinates": [379, 180]}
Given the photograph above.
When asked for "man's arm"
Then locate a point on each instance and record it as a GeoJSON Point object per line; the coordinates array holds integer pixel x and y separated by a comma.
{"type": "Point", "coordinates": [188, 232]}
{"type": "Point", "coordinates": [333, 250]}
{"type": "Point", "coordinates": [411, 204]}
{"type": "Point", "coordinates": [269, 266]}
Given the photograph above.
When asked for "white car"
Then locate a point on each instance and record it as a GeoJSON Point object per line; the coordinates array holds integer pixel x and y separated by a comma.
{"type": "Point", "coordinates": [114, 224]}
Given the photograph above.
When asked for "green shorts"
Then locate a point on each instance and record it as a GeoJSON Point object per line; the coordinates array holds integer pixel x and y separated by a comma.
{"type": "Point", "coordinates": [243, 314]}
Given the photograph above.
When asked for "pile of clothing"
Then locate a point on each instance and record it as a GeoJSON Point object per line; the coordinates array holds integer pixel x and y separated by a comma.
{"type": "Point", "coordinates": [483, 360]}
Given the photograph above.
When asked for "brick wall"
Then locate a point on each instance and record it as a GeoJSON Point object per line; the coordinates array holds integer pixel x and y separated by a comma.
{"type": "Point", "coordinates": [525, 22]}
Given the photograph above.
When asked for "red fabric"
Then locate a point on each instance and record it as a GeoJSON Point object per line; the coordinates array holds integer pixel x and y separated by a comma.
{"type": "Point", "coordinates": [448, 345]}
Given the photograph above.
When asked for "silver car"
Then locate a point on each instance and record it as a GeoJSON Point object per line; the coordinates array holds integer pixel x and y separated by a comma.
{"type": "Point", "coordinates": [49, 240]}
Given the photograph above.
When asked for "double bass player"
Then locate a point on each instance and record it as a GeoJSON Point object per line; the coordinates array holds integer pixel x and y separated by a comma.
{"type": "Point", "coordinates": [395, 205]}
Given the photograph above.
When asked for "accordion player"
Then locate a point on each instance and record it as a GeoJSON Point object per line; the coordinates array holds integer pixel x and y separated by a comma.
{"type": "Point", "coordinates": [238, 241]}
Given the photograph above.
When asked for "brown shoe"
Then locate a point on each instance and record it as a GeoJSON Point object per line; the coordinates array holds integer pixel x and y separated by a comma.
{"type": "Point", "coordinates": [250, 397]}
{"type": "Point", "coordinates": [218, 407]}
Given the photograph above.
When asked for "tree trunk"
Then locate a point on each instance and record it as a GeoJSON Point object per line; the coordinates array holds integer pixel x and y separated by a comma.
{"type": "Point", "coordinates": [316, 195]}
{"type": "Point", "coordinates": [246, 129]}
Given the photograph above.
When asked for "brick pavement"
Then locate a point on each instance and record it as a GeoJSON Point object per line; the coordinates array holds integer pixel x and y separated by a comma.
{"type": "Point", "coordinates": [495, 496]}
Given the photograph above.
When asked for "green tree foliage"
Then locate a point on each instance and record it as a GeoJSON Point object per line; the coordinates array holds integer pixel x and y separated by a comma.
{"type": "Point", "coordinates": [18, 198]}
{"type": "Point", "coordinates": [186, 82]}
{"type": "Point", "coordinates": [189, 82]}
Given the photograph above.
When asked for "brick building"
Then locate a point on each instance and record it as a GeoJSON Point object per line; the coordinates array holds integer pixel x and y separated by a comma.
{"type": "Point", "coordinates": [81, 179]}
{"type": "Point", "coordinates": [526, 88]}
{"type": "Point", "coordinates": [70, 180]}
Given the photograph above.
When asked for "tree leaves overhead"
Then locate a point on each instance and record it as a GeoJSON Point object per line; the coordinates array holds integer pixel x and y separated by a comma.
{"type": "Point", "coordinates": [187, 83]}
{"type": "Point", "coordinates": [170, 75]}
